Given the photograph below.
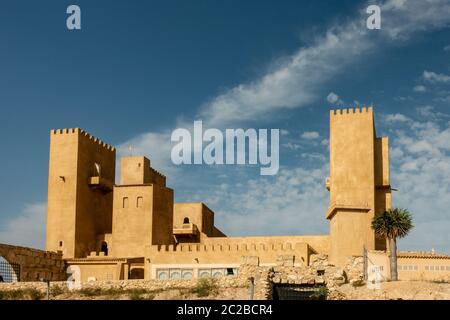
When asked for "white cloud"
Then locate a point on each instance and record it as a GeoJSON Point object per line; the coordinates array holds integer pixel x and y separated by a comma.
{"type": "Point", "coordinates": [292, 146]}
{"type": "Point", "coordinates": [296, 205]}
{"type": "Point", "coordinates": [421, 173]}
{"type": "Point", "coordinates": [435, 77]}
{"type": "Point", "coordinates": [298, 199]}
{"type": "Point", "coordinates": [430, 112]}
{"type": "Point", "coordinates": [447, 48]}
{"type": "Point", "coordinates": [332, 98]}
{"type": "Point", "coordinates": [310, 135]}
{"type": "Point", "coordinates": [420, 88]}
{"type": "Point", "coordinates": [155, 146]}
{"type": "Point", "coordinates": [296, 81]}
{"type": "Point", "coordinates": [27, 228]}
{"type": "Point", "coordinates": [397, 117]}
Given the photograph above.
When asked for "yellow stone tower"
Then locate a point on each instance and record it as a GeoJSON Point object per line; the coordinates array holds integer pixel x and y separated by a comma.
{"type": "Point", "coordinates": [359, 182]}
{"type": "Point", "coordinates": [80, 198]}
{"type": "Point", "coordinates": [143, 209]}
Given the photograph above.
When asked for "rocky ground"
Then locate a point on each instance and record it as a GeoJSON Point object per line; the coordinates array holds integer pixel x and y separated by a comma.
{"type": "Point", "coordinates": [398, 290]}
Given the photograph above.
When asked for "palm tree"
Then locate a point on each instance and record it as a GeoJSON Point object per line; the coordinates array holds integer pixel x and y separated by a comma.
{"type": "Point", "coordinates": [393, 224]}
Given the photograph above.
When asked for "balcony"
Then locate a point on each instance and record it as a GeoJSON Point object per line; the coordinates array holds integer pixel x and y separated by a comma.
{"type": "Point", "coordinates": [99, 183]}
{"type": "Point", "coordinates": [187, 230]}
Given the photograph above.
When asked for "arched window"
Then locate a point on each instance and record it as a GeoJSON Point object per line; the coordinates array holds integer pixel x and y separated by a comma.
{"type": "Point", "coordinates": [97, 170]}
{"type": "Point", "coordinates": [125, 202]}
{"type": "Point", "coordinates": [104, 248]}
{"type": "Point", "coordinates": [140, 202]}
{"type": "Point", "coordinates": [186, 220]}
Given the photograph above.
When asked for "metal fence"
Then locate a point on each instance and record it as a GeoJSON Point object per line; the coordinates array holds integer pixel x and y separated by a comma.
{"type": "Point", "coordinates": [9, 272]}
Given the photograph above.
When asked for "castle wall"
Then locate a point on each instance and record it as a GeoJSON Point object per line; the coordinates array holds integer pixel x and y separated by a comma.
{"type": "Point", "coordinates": [412, 266]}
{"type": "Point", "coordinates": [195, 257]}
{"type": "Point", "coordinates": [317, 243]}
{"type": "Point", "coordinates": [35, 265]}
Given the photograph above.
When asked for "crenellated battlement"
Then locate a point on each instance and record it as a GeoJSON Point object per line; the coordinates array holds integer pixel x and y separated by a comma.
{"type": "Point", "coordinates": [352, 111]}
{"type": "Point", "coordinates": [157, 173]}
{"type": "Point", "coordinates": [83, 134]}
{"type": "Point", "coordinates": [234, 247]}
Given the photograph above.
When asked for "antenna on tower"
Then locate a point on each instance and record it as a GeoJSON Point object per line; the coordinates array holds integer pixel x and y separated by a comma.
{"type": "Point", "coordinates": [131, 150]}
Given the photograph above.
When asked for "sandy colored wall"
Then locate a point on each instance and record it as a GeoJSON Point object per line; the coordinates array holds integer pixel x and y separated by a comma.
{"type": "Point", "coordinates": [317, 243]}
{"type": "Point", "coordinates": [101, 272]}
{"type": "Point", "coordinates": [198, 214]}
{"type": "Point", "coordinates": [352, 157]}
{"type": "Point", "coordinates": [348, 235]}
{"type": "Point", "coordinates": [355, 160]}
{"type": "Point", "coordinates": [413, 267]}
{"type": "Point", "coordinates": [132, 226]}
{"type": "Point", "coordinates": [94, 207]}
{"type": "Point", "coordinates": [35, 264]}
{"type": "Point", "coordinates": [194, 256]}
{"type": "Point", "coordinates": [162, 227]}
{"type": "Point", "coordinates": [76, 212]}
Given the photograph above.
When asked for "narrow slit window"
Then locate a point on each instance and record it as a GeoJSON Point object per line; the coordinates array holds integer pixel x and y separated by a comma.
{"type": "Point", "coordinates": [140, 202]}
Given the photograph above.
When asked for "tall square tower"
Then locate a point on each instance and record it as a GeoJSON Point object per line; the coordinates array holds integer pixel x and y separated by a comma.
{"type": "Point", "coordinates": [80, 184]}
{"type": "Point", "coordinates": [359, 182]}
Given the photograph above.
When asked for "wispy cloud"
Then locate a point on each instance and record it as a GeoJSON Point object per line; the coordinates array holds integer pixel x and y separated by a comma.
{"type": "Point", "coordinates": [434, 77]}
{"type": "Point", "coordinates": [297, 80]}
{"type": "Point", "coordinates": [27, 228]}
{"type": "Point", "coordinates": [333, 98]}
{"type": "Point", "coordinates": [295, 195]}
{"type": "Point", "coordinates": [310, 135]}
{"type": "Point", "coordinates": [421, 173]}
{"type": "Point", "coordinates": [397, 117]}
{"type": "Point", "coordinates": [420, 88]}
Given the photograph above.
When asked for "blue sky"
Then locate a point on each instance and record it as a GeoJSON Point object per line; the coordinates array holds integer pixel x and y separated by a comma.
{"type": "Point", "coordinates": [137, 70]}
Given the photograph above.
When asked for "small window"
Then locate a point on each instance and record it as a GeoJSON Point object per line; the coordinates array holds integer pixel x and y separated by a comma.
{"type": "Point", "coordinates": [125, 203]}
{"type": "Point", "coordinates": [230, 272]}
{"type": "Point", "coordinates": [60, 243]}
{"type": "Point", "coordinates": [442, 268]}
{"type": "Point", "coordinates": [410, 268]}
{"type": "Point", "coordinates": [416, 268]}
{"type": "Point", "coordinates": [186, 220]}
{"type": "Point", "coordinates": [427, 268]}
{"type": "Point", "coordinates": [104, 248]}
{"type": "Point", "coordinates": [140, 202]}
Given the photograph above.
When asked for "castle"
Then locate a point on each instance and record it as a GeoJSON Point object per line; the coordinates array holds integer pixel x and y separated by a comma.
{"type": "Point", "coordinates": [135, 230]}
